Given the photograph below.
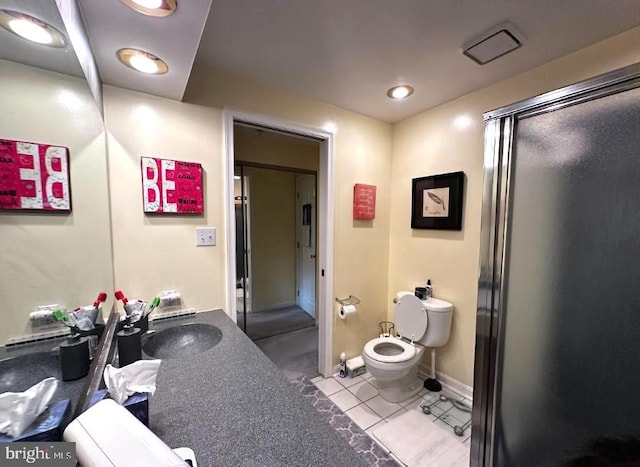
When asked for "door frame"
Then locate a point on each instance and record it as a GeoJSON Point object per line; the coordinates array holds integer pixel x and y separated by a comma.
{"type": "Point", "coordinates": [325, 207]}
{"type": "Point", "coordinates": [498, 138]}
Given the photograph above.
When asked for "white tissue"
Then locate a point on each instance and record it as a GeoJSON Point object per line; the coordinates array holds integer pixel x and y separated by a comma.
{"type": "Point", "coordinates": [18, 410]}
{"type": "Point", "coordinates": [139, 376]}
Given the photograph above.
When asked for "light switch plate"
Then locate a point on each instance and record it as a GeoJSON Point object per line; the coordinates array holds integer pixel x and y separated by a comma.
{"type": "Point", "coordinates": [205, 236]}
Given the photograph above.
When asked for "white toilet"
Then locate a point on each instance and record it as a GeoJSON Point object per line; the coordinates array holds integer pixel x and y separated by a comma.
{"type": "Point", "coordinates": [393, 360]}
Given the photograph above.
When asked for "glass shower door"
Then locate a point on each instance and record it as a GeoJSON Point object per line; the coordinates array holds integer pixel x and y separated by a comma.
{"type": "Point", "coordinates": [567, 327]}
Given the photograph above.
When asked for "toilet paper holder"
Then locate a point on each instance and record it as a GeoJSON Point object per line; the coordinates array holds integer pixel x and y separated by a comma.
{"type": "Point", "coordinates": [350, 300]}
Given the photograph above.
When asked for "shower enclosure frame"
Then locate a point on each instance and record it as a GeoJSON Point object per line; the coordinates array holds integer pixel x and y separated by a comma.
{"type": "Point", "coordinates": [500, 127]}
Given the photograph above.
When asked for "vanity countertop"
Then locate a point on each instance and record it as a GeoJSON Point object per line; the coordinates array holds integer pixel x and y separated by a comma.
{"type": "Point", "coordinates": [233, 407]}
{"type": "Point", "coordinates": [21, 367]}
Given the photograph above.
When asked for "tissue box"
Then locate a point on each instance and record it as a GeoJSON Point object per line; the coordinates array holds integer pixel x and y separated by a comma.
{"type": "Point", "coordinates": [355, 366]}
{"type": "Point", "coordinates": [137, 404]}
{"type": "Point", "coordinates": [48, 426]}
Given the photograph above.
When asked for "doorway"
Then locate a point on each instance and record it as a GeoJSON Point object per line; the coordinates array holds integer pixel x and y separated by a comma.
{"type": "Point", "coordinates": [275, 243]}
{"type": "Point", "coordinates": [317, 298]}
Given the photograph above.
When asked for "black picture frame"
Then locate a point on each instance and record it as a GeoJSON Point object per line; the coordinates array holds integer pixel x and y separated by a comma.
{"type": "Point", "coordinates": [443, 208]}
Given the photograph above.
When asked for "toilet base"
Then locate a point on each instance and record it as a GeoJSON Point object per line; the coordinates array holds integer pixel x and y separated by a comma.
{"type": "Point", "coordinates": [400, 390]}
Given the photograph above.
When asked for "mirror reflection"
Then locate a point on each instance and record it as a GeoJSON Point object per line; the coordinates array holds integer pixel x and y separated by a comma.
{"type": "Point", "coordinates": [59, 259]}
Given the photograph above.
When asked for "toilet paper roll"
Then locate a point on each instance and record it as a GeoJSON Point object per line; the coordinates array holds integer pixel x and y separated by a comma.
{"type": "Point", "coordinates": [347, 310]}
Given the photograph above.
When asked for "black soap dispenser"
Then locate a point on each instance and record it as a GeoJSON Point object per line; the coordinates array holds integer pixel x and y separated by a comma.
{"type": "Point", "coordinates": [74, 358]}
{"type": "Point", "coordinates": [129, 345]}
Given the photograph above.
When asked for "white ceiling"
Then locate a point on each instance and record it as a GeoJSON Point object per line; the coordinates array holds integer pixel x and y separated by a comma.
{"type": "Point", "coordinates": [345, 52]}
{"type": "Point", "coordinates": [15, 49]}
{"type": "Point", "coordinates": [111, 25]}
{"type": "Point", "coordinates": [349, 52]}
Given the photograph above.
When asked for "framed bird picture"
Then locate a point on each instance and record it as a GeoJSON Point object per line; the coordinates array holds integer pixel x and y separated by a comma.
{"type": "Point", "coordinates": [436, 201]}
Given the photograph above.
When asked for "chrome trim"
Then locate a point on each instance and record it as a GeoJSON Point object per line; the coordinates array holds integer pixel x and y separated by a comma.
{"type": "Point", "coordinates": [604, 92]}
{"type": "Point", "coordinates": [481, 387]}
{"type": "Point", "coordinates": [589, 85]}
{"type": "Point", "coordinates": [498, 289]}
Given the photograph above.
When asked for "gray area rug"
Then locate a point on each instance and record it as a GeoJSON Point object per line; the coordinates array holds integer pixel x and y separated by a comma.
{"type": "Point", "coordinates": [263, 324]}
{"type": "Point", "coordinates": [347, 428]}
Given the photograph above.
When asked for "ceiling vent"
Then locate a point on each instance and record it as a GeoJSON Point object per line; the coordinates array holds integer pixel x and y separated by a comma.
{"type": "Point", "coordinates": [498, 41]}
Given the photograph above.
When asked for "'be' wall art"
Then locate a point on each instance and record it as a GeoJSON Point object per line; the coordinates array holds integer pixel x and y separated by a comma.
{"type": "Point", "coordinates": [34, 176]}
{"type": "Point", "coordinates": [170, 186]}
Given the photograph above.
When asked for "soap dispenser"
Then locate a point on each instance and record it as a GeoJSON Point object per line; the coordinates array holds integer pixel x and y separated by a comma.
{"type": "Point", "coordinates": [130, 337]}
{"type": "Point", "coordinates": [74, 357]}
{"type": "Point", "coordinates": [129, 345]}
{"type": "Point", "coordinates": [429, 291]}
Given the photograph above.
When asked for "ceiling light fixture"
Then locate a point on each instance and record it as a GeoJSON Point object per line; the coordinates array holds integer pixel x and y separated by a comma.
{"type": "Point", "coordinates": [400, 92]}
{"type": "Point", "coordinates": [142, 61]}
{"type": "Point", "coordinates": [157, 8]}
{"type": "Point", "coordinates": [31, 28]}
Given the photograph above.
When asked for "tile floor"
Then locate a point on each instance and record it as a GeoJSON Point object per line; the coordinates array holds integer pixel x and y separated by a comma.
{"type": "Point", "coordinates": [346, 428]}
{"type": "Point", "coordinates": [358, 398]}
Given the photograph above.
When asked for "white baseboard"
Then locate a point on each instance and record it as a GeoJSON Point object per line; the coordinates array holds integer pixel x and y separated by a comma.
{"type": "Point", "coordinates": [447, 382]}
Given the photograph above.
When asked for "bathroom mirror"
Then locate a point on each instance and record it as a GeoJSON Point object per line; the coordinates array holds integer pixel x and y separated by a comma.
{"type": "Point", "coordinates": [51, 257]}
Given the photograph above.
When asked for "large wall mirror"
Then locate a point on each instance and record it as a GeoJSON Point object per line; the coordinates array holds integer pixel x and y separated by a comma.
{"type": "Point", "coordinates": [52, 257]}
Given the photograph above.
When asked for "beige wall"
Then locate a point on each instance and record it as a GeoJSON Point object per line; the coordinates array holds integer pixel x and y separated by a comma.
{"type": "Point", "coordinates": [362, 155]}
{"type": "Point", "coordinates": [50, 258]}
{"type": "Point", "coordinates": [272, 198]}
{"type": "Point", "coordinates": [431, 143]}
{"type": "Point", "coordinates": [155, 253]}
{"type": "Point", "coordinates": [264, 147]}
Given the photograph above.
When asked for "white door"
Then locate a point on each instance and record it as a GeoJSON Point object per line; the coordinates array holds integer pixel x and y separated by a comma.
{"type": "Point", "coordinates": [306, 243]}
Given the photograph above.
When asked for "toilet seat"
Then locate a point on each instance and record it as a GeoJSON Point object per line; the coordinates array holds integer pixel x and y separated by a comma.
{"type": "Point", "coordinates": [410, 317]}
{"type": "Point", "coordinates": [401, 352]}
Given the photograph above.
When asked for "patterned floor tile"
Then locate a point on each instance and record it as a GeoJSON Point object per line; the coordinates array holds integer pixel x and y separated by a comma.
{"type": "Point", "coordinates": [373, 454]}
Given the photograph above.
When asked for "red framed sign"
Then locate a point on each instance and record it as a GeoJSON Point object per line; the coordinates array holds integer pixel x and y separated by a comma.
{"type": "Point", "coordinates": [34, 176]}
{"type": "Point", "coordinates": [170, 186]}
{"type": "Point", "coordinates": [364, 201]}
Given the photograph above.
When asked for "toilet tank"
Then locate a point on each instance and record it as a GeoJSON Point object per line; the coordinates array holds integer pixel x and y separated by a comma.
{"type": "Point", "coordinates": [439, 313]}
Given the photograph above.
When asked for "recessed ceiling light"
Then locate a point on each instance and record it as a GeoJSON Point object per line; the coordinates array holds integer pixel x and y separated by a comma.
{"type": "Point", "coordinates": [142, 61]}
{"type": "Point", "coordinates": [400, 92]}
{"type": "Point", "coordinates": [152, 7]}
{"type": "Point", "coordinates": [31, 28]}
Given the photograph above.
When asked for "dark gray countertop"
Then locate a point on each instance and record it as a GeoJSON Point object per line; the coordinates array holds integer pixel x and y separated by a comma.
{"type": "Point", "coordinates": [22, 366]}
{"type": "Point", "coordinates": [233, 407]}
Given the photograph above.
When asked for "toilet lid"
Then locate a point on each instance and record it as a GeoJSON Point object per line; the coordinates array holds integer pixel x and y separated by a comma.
{"type": "Point", "coordinates": [389, 350]}
{"type": "Point", "coordinates": [410, 317]}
